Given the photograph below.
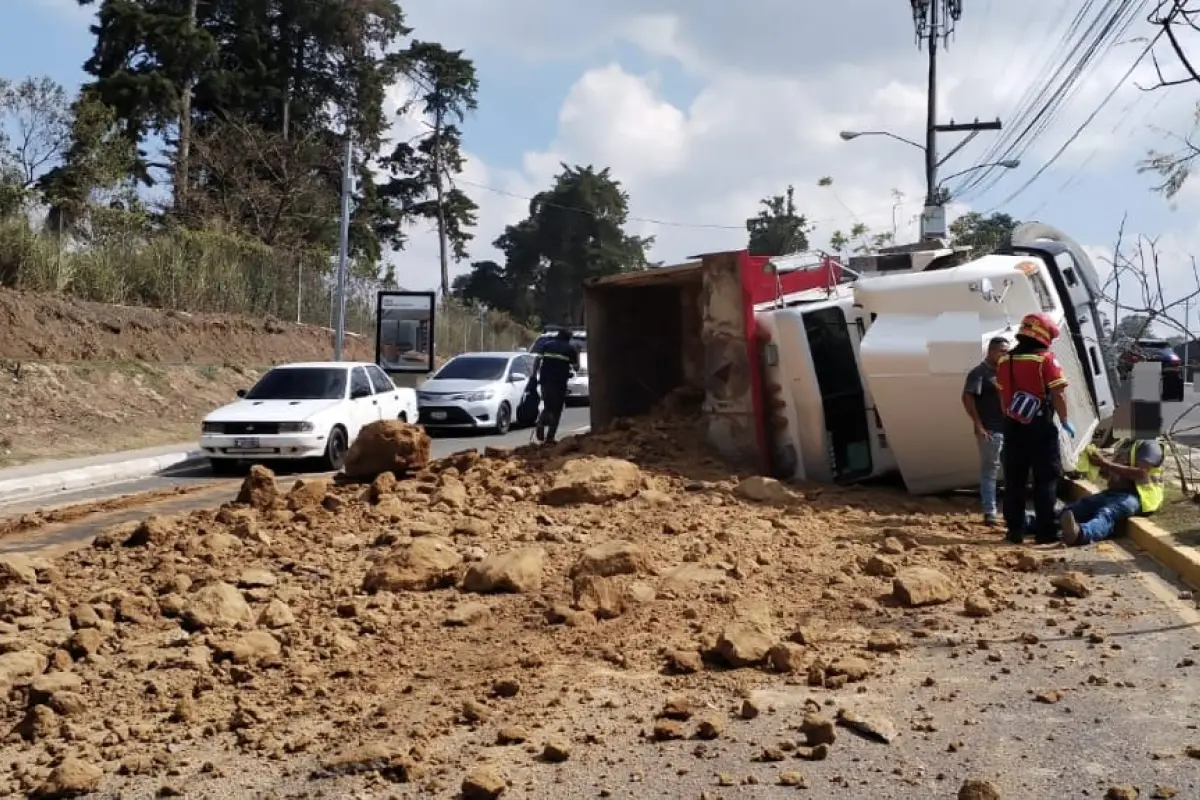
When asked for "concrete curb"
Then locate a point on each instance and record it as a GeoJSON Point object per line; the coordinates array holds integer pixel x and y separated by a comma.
{"type": "Point", "coordinates": [1155, 542]}
{"type": "Point", "coordinates": [34, 487]}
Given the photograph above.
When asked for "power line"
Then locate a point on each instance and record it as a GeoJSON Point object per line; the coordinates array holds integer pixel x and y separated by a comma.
{"type": "Point", "coordinates": [1083, 126]}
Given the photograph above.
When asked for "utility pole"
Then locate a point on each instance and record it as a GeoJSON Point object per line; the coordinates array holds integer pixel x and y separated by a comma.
{"type": "Point", "coordinates": [339, 340]}
{"type": "Point", "coordinates": [443, 245]}
{"type": "Point", "coordinates": [934, 21]}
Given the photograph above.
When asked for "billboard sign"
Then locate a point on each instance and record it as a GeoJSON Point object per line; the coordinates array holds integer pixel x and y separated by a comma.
{"type": "Point", "coordinates": [404, 337]}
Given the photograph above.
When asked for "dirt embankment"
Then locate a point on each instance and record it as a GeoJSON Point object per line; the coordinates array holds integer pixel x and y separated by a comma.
{"type": "Point", "coordinates": [54, 328]}
{"type": "Point", "coordinates": [79, 378]}
{"type": "Point", "coordinates": [469, 624]}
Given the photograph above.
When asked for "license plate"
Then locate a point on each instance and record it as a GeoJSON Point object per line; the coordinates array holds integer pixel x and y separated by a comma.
{"type": "Point", "coordinates": [437, 414]}
{"type": "Point", "coordinates": [247, 444]}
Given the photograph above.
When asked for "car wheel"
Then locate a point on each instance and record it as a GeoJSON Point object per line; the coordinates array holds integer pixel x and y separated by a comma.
{"type": "Point", "coordinates": [403, 416]}
{"type": "Point", "coordinates": [504, 418]}
{"type": "Point", "coordinates": [335, 450]}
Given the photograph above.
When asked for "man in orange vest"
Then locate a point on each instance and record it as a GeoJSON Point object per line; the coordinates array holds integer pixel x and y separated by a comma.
{"type": "Point", "coordinates": [1032, 390]}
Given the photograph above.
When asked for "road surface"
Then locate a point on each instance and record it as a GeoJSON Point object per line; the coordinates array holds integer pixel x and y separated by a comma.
{"type": "Point", "coordinates": [573, 421]}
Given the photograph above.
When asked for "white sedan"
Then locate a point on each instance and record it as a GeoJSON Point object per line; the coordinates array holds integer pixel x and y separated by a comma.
{"type": "Point", "coordinates": [303, 411]}
{"type": "Point", "coordinates": [476, 390]}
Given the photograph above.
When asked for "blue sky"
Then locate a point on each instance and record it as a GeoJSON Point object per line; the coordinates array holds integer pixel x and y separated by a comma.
{"type": "Point", "coordinates": [702, 111]}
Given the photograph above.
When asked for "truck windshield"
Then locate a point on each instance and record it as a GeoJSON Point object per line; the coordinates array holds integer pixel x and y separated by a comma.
{"type": "Point", "coordinates": [842, 396]}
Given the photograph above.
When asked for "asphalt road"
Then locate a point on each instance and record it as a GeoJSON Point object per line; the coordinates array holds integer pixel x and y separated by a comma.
{"type": "Point", "coordinates": [573, 420]}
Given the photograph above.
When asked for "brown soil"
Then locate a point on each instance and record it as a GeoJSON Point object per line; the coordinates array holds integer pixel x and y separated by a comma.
{"type": "Point", "coordinates": [544, 600]}
{"type": "Point", "coordinates": [39, 327]}
{"type": "Point", "coordinates": [80, 378]}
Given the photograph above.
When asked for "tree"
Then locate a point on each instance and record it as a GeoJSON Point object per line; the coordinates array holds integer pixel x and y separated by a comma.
{"type": "Point", "coordinates": [984, 235]}
{"type": "Point", "coordinates": [35, 131]}
{"type": "Point", "coordinates": [447, 88]}
{"type": "Point", "coordinates": [574, 232]}
{"type": "Point", "coordinates": [778, 229]}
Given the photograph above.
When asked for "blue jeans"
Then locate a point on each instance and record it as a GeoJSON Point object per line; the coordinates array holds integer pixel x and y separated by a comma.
{"type": "Point", "coordinates": [1099, 514]}
{"type": "Point", "coordinates": [989, 470]}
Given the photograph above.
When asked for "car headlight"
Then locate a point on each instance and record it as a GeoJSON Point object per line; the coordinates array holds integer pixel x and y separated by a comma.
{"type": "Point", "coordinates": [212, 427]}
{"type": "Point", "coordinates": [295, 427]}
{"type": "Point", "coordinates": [478, 397]}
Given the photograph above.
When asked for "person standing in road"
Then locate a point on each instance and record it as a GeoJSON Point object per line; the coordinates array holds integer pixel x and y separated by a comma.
{"type": "Point", "coordinates": [1032, 391]}
{"type": "Point", "coordinates": [981, 400]}
{"type": "Point", "coordinates": [557, 358]}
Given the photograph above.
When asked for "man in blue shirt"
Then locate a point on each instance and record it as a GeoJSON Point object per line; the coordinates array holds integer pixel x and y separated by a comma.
{"type": "Point", "coordinates": [981, 400]}
{"type": "Point", "coordinates": [557, 359]}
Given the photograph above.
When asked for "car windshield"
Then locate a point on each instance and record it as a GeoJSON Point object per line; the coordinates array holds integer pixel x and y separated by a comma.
{"type": "Point", "coordinates": [472, 368]}
{"type": "Point", "coordinates": [299, 383]}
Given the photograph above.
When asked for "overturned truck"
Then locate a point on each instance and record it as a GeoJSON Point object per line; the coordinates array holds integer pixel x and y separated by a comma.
{"type": "Point", "coordinates": [819, 372]}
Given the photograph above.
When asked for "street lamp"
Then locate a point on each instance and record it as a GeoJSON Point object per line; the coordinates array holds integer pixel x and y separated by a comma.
{"type": "Point", "coordinates": [848, 135]}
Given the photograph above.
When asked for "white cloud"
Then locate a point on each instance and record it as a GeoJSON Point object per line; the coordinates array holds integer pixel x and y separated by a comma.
{"type": "Point", "coordinates": [774, 82]}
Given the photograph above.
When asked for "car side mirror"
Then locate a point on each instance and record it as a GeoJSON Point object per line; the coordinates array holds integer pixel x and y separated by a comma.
{"type": "Point", "coordinates": [517, 377]}
{"type": "Point", "coordinates": [358, 394]}
{"type": "Point", "coordinates": [241, 392]}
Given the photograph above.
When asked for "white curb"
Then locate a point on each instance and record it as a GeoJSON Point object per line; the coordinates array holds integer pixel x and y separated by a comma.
{"type": "Point", "coordinates": [37, 486]}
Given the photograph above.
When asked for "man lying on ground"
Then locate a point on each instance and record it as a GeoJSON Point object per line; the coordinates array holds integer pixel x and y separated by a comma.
{"type": "Point", "coordinates": [1135, 486]}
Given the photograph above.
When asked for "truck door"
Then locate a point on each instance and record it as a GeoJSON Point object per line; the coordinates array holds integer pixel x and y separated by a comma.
{"type": "Point", "coordinates": [843, 398]}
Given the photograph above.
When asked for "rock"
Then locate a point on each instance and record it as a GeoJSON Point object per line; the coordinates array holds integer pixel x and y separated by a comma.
{"type": "Point", "coordinates": [1048, 698]}
{"type": "Point", "coordinates": [372, 757]}
{"type": "Point", "coordinates": [18, 667]}
{"type": "Point", "coordinates": [743, 645]}
{"type": "Point", "coordinates": [975, 789]}
{"type": "Point", "coordinates": [678, 708]}
{"type": "Point", "coordinates": [978, 606]}
{"type": "Point", "coordinates": [84, 616]}
{"type": "Point", "coordinates": [256, 578]}
{"type": "Point", "coordinates": [71, 778]}
{"type": "Point", "coordinates": [218, 605]}
{"type": "Point", "coordinates": [880, 567]}
{"type": "Point", "coordinates": [483, 783]}
{"type": "Point", "coordinates": [1124, 792]}
{"type": "Point", "coordinates": [922, 586]}
{"type": "Point", "coordinates": [383, 485]}
{"type": "Point", "coordinates": [307, 494]}
{"type": "Point", "coordinates": [885, 641]}
{"type": "Point", "coordinates": [786, 657]}
{"type": "Point", "coordinates": [667, 730]}
{"type": "Point", "coordinates": [16, 569]}
{"type": "Point", "coordinates": [512, 734]}
{"type": "Point", "coordinates": [684, 662]}
{"type": "Point", "coordinates": [387, 446]}
{"type": "Point", "coordinates": [556, 750]}
{"type": "Point", "coordinates": [452, 493]}
{"type": "Point", "coordinates": [710, 727]}
{"type": "Point", "coordinates": [593, 480]}
{"type": "Point", "coordinates": [84, 643]}
{"type": "Point", "coordinates": [872, 727]}
{"type": "Point", "coordinates": [424, 564]}
{"type": "Point", "coordinates": [761, 489]}
{"type": "Point", "coordinates": [259, 489]}
{"type": "Point", "coordinates": [44, 688]}
{"type": "Point", "coordinates": [256, 647]}
{"type": "Point", "coordinates": [749, 709]}
{"type": "Point", "coordinates": [611, 558]}
{"type": "Point", "coordinates": [792, 778]}
{"type": "Point", "coordinates": [855, 669]}
{"type": "Point", "coordinates": [1071, 584]}
{"type": "Point", "coordinates": [603, 597]}
{"type": "Point", "coordinates": [516, 571]}
{"type": "Point", "coordinates": [818, 729]}
{"type": "Point", "coordinates": [465, 614]}
{"type": "Point", "coordinates": [276, 615]}
{"type": "Point", "coordinates": [891, 546]}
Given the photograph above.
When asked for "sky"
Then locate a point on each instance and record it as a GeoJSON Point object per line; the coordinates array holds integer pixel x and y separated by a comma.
{"type": "Point", "coordinates": [702, 108]}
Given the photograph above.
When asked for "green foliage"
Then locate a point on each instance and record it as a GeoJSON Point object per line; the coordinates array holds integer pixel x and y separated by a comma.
{"type": "Point", "coordinates": [574, 232]}
{"type": "Point", "coordinates": [778, 229]}
{"type": "Point", "coordinates": [860, 240]}
{"type": "Point", "coordinates": [984, 235]}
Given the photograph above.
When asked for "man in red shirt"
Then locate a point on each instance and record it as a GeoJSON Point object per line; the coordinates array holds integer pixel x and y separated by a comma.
{"type": "Point", "coordinates": [1032, 390]}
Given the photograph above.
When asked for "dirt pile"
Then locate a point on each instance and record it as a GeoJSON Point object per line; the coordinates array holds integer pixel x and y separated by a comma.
{"type": "Point", "coordinates": [407, 630]}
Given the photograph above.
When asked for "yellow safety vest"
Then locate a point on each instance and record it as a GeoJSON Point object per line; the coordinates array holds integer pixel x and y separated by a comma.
{"type": "Point", "coordinates": [1153, 492]}
{"type": "Point", "coordinates": [1085, 467]}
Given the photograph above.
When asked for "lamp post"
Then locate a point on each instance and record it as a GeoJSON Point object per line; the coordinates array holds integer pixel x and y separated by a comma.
{"type": "Point", "coordinates": [933, 216]}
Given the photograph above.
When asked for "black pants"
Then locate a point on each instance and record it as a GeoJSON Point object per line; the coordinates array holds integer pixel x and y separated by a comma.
{"type": "Point", "coordinates": [1031, 449]}
{"type": "Point", "coordinates": [554, 397]}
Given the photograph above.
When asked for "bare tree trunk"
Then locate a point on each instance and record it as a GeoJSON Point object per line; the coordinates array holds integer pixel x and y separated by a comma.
{"type": "Point", "coordinates": [183, 154]}
{"type": "Point", "coordinates": [443, 244]}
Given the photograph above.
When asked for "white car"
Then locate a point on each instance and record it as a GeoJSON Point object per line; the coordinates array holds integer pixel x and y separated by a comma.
{"type": "Point", "coordinates": [475, 390]}
{"type": "Point", "coordinates": [303, 411]}
{"type": "Point", "coordinates": [577, 384]}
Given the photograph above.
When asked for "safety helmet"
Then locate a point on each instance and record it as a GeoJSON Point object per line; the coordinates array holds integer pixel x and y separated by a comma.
{"type": "Point", "coordinates": [1039, 327]}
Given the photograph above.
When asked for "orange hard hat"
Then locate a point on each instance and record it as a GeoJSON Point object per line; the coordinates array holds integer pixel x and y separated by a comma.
{"type": "Point", "coordinates": [1039, 327]}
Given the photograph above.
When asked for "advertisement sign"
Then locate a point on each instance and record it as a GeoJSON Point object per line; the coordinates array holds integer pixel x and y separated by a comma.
{"type": "Point", "coordinates": [404, 338]}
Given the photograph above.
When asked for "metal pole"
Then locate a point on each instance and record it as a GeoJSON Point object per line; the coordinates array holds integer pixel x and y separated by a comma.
{"type": "Point", "coordinates": [931, 218]}
{"type": "Point", "coordinates": [1187, 339]}
{"type": "Point", "coordinates": [344, 249]}
{"type": "Point", "coordinates": [299, 287]}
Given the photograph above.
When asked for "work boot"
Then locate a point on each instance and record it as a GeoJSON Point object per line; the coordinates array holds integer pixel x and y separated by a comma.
{"type": "Point", "coordinates": [540, 431]}
{"type": "Point", "coordinates": [1070, 528]}
{"type": "Point", "coordinates": [991, 520]}
{"type": "Point", "coordinates": [1015, 537]}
